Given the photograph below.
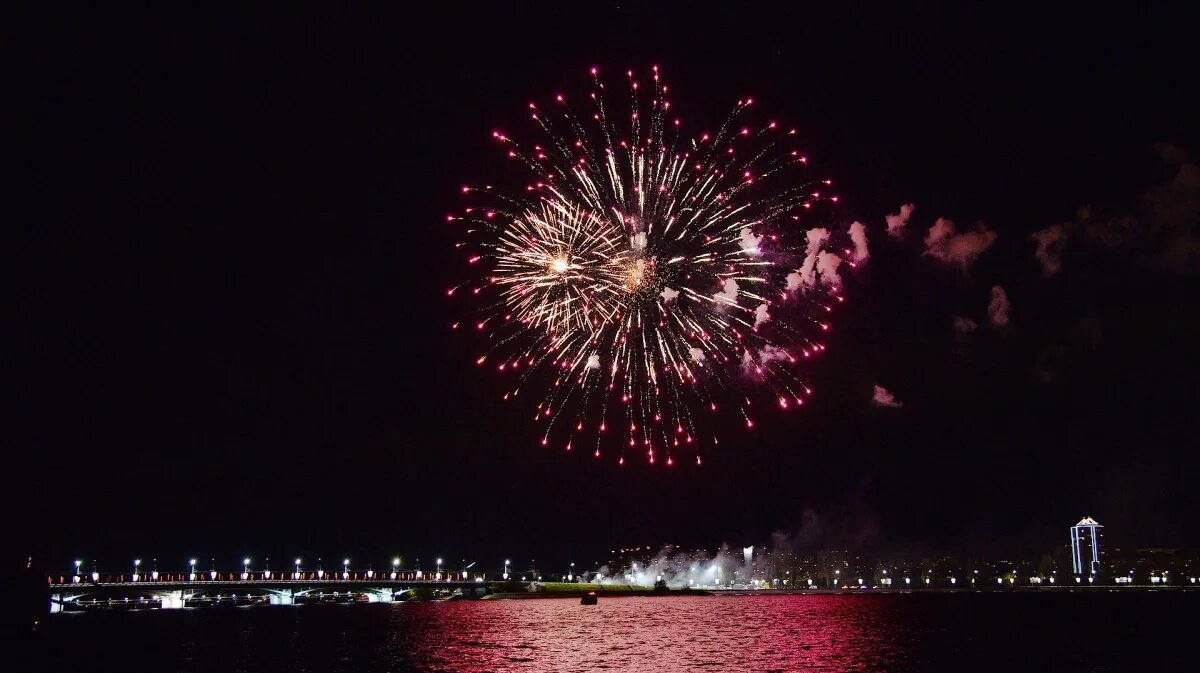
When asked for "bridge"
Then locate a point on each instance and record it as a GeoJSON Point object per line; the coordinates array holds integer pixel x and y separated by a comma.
{"type": "Point", "coordinates": [211, 589]}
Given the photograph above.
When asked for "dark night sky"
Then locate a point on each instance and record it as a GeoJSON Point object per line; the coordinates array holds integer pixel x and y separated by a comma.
{"type": "Point", "coordinates": [232, 338]}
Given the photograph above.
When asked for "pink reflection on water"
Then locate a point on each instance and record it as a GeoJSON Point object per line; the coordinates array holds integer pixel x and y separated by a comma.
{"type": "Point", "coordinates": [757, 633]}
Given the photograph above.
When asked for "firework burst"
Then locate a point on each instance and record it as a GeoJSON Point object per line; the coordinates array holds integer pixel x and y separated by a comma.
{"type": "Point", "coordinates": [646, 278]}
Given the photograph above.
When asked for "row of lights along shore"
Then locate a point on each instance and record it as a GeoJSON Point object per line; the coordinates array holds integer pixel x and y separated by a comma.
{"type": "Point", "coordinates": [267, 574]}
{"type": "Point", "coordinates": [886, 581]}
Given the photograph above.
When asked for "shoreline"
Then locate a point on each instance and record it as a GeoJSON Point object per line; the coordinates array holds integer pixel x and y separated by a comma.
{"type": "Point", "coordinates": [647, 592]}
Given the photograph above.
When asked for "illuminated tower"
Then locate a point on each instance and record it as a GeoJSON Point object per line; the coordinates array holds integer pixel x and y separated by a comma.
{"type": "Point", "coordinates": [1085, 546]}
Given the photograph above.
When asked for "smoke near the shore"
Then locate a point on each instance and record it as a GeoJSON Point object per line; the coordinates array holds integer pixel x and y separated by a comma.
{"type": "Point", "coordinates": [680, 568]}
{"type": "Point", "coordinates": [850, 527]}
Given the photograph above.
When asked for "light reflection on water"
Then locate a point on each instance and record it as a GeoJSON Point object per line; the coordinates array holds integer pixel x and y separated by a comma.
{"type": "Point", "coordinates": [639, 634]}
{"type": "Point", "coordinates": [835, 633]}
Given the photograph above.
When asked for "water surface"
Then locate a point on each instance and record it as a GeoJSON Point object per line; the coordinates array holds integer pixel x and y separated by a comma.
{"type": "Point", "coordinates": [833, 633]}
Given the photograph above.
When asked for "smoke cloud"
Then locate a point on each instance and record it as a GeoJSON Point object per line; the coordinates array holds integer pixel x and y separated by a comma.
{"type": "Point", "coordinates": [882, 397]}
{"type": "Point", "coordinates": [638, 242]}
{"type": "Point", "coordinates": [896, 222]}
{"type": "Point", "coordinates": [827, 265]}
{"type": "Point", "coordinates": [1050, 244]}
{"type": "Point", "coordinates": [729, 293]}
{"type": "Point", "coordinates": [998, 307]}
{"type": "Point", "coordinates": [816, 238]}
{"type": "Point", "coordinates": [766, 356]}
{"type": "Point", "coordinates": [683, 569]}
{"type": "Point", "coordinates": [946, 244]}
{"type": "Point", "coordinates": [668, 295]}
{"type": "Point", "coordinates": [858, 236]}
{"type": "Point", "coordinates": [749, 242]}
{"type": "Point", "coordinates": [794, 281]}
{"type": "Point", "coordinates": [761, 315]}
{"type": "Point", "coordinates": [806, 276]}
{"type": "Point", "coordinates": [964, 325]}
{"type": "Point", "coordinates": [772, 353]}
{"type": "Point", "coordinates": [851, 526]}
{"type": "Point", "coordinates": [822, 537]}
{"type": "Point", "coordinates": [1163, 236]}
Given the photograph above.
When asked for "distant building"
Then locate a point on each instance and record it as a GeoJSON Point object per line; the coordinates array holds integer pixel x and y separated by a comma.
{"type": "Point", "coordinates": [1085, 546]}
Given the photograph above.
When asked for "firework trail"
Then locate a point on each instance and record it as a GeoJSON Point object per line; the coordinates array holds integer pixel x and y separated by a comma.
{"type": "Point", "coordinates": [644, 278]}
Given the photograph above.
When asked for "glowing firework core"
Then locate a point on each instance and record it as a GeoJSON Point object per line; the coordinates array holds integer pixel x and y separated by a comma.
{"type": "Point", "coordinates": [639, 273]}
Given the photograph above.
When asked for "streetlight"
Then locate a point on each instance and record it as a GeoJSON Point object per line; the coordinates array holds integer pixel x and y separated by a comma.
{"type": "Point", "coordinates": [439, 570]}
{"type": "Point", "coordinates": [245, 568]}
{"type": "Point", "coordinates": [75, 578]}
{"type": "Point", "coordinates": [395, 566]}
{"type": "Point", "coordinates": [345, 569]}
{"type": "Point", "coordinates": [95, 573]}
{"type": "Point", "coordinates": [192, 574]}
{"type": "Point", "coordinates": [154, 572]}
{"type": "Point", "coordinates": [505, 576]}
{"type": "Point", "coordinates": [296, 575]}
{"type": "Point", "coordinates": [136, 562]}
